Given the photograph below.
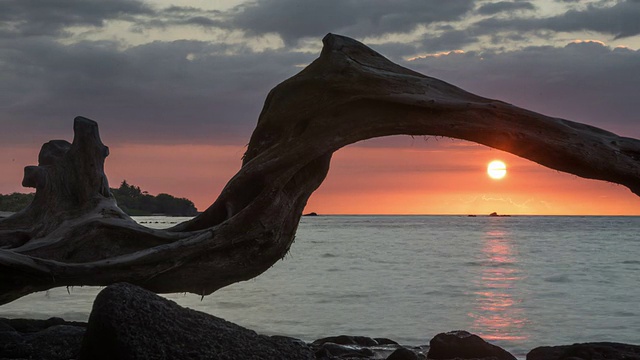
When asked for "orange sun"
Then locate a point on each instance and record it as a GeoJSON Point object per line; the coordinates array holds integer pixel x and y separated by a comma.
{"type": "Point", "coordinates": [497, 169]}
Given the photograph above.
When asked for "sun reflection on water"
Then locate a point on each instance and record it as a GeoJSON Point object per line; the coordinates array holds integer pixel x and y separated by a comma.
{"type": "Point", "coordinates": [498, 314]}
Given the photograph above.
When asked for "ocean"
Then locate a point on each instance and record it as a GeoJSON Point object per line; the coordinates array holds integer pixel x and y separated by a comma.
{"type": "Point", "coordinates": [519, 282]}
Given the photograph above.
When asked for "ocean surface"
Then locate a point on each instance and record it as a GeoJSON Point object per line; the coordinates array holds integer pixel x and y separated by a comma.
{"type": "Point", "coordinates": [519, 282]}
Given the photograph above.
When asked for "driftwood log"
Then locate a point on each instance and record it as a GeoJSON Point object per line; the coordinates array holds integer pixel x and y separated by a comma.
{"type": "Point", "coordinates": [74, 233]}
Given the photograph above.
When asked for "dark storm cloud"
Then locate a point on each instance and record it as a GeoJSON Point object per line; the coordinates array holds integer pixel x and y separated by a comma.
{"type": "Point", "coordinates": [395, 50]}
{"type": "Point", "coordinates": [197, 92]}
{"type": "Point", "coordinates": [504, 6]}
{"type": "Point", "coordinates": [51, 17]}
{"type": "Point", "coordinates": [205, 92]}
{"type": "Point", "coordinates": [296, 19]}
{"type": "Point", "coordinates": [180, 92]}
{"type": "Point", "coordinates": [448, 40]}
{"type": "Point", "coordinates": [585, 82]}
{"type": "Point", "coordinates": [181, 15]}
{"type": "Point", "coordinates": [619, 20]}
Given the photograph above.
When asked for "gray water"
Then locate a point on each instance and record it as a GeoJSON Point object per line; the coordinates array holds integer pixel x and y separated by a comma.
{"type": "Point", "coordinates": [519, 282]}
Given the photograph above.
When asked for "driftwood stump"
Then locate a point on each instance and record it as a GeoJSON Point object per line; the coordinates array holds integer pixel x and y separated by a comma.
{"type": "Point", "coordinates": [74, 233]}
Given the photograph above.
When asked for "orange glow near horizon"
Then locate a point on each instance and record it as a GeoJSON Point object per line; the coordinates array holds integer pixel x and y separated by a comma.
{"type": "Point", "coordinates": [451, 179]}
{"type": "Point", "coordinates": [195, 172]}
{"type": "Point", "coordinates": [446, 178]}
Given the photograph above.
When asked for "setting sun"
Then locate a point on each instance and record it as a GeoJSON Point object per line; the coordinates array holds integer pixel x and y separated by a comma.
{"type": "Point", "coordinates": [497, 169]}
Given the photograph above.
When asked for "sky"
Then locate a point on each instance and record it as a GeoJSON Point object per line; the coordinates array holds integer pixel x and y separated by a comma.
{"type": "Point", "coordinates": [176, 88]}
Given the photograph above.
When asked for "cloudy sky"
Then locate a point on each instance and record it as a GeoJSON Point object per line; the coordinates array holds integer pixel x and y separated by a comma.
{"type": "Point", "coordinates": [177, 87]}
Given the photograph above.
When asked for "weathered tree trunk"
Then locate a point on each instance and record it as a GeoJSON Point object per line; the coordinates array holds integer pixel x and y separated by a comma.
{"type": "Point", "coordinates": [74, 234]}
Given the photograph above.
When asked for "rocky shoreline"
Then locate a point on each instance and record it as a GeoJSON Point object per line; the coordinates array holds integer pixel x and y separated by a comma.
{"type": "Point", "coordinates": [128, 322]}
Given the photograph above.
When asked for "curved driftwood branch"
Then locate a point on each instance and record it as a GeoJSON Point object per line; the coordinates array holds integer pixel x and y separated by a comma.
{"type": "Point", "coordinates": [74, 233]}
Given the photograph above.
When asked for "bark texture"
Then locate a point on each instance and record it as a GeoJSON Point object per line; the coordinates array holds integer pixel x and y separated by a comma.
{"type": "Point", "coordinates": [74, 233]}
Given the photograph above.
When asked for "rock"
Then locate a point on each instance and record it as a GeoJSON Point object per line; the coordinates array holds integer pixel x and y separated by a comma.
{"type": "Point", "coordinates": [311, 214]}
{"type": "Point", "coordinates": [464, 345]}
{"type": "Point", "coordinates": [331, 350]}
{"type": "Point", "coordinates": [347, 340]}
{"type": "Point", "coordinates": [8, 335]}
{"type": "Point", "coordinates": [495, 214]}
{"type": "Point", "coordinates": [385, 341]}
{"type": "Point", "coordinates": [358, 347]}
{"type": "Point", "coordinates": [344, 347]}
{"type": "Point", "coordinates": [403, 354]}
{"type": "Point", "coordinates": [32, 325]}
{"type": "Point", "coordinates": [128, 322]}
{"type": "Point", "coordinates": [586, 351]}
{"type": "Point", "coordinates": [52, 339]}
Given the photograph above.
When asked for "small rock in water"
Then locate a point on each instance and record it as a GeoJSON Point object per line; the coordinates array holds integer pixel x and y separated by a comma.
{"type": "Point", "coordinates": [385, 341]}
{"type": "Point", "coordinates": [347, 340]}
{"type": "Point", "coordinates": [330, 350]}
{"type": "Point", "coordinates": [464, 345]}
{"type": "Point", "coordinates": [403, 354]}
{"type": "Point", "coordinates": [362, 347]}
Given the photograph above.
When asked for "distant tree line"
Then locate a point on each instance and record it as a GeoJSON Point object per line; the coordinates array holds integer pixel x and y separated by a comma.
{"type": "Point", "coordinates": [131, 199]}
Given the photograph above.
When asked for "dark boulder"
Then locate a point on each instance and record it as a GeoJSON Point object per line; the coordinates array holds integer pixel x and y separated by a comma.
{"type": "Point", "coordinates": [403, 354]}
{"type": "Point", "coordinates": [331, 350]}
{"type": "Point", "coordinates": [128, 322]}
{"type": "Point", "coordinates": [586, 351]}
{"type": "Point", "coordinates": [385, 341]}
{"type": "Point", "coordinates": [52, 339]}
{"type": "Point", "coordinates": [461, 344]}
{"type": "Point", "coordinates": [347, 340]}
{"type": "Point", "coordinates": [346, 347]}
